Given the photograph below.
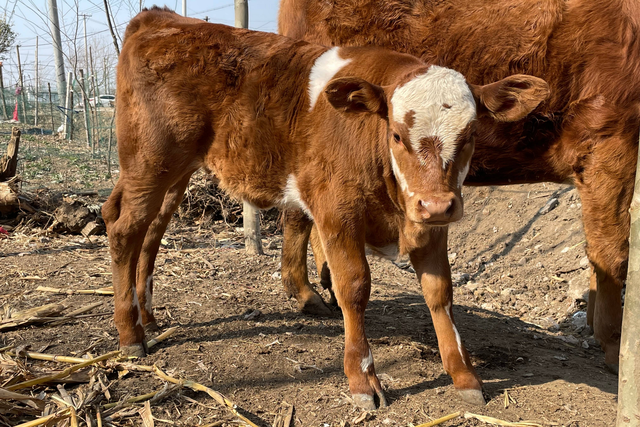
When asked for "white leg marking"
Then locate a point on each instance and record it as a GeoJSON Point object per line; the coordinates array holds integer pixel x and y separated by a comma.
{"type": "Point", "coordinates": [136, 304]}
{"type": "Point", "coordinates": [442, 104]}
{"type": "Point", "coordinates": [147, 295]}
{"type": "Point", "coordinates": [458, 340]}
{"type": "Point", "coordinates": [366, 362]}
{"type": "Point", "coordinates": [326, 66]}
{"type": "Point", "coordinates": [400, 176]}
{"type": "Point", "coordinates": [292, 198]}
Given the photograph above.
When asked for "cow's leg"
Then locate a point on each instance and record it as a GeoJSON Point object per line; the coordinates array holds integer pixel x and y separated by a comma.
{"type": "Point", "coordinates": [321, 265]}
{"type": "Point", "coordinates": [131, 207]}
{"type": "Point", "coordinates": [344, 248]}
{"type": "Point", "coordinates": [295, 277]}
{"type": "Point", "coordinates": [147, 259]}
{"type": "Point", "coordinates": [606, 191]}
{"type": "Point", "coordinates": [432, 267]}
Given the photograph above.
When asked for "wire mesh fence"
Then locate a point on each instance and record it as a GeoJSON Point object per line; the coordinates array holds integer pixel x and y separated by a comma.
{"type": "Point", "coordinates": [88, 119]}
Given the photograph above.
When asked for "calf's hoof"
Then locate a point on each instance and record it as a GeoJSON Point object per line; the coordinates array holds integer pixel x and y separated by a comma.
{"type": "Point", "coordinates": [364, 401]}
{"type": "Point", "coordinates": [314, 306]}
{"type": "Point", "coordinates": [134, 350]}
{"type": "Point", "coordinates": [367, 402]}
{"type": "Point", "coordinates": [472, 396]}
{"type": "Point", "coordinates": [612, 367]}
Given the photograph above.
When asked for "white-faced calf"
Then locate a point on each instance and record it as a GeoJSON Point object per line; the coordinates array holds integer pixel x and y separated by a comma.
{"type": "Point", "coordinates": [371, 144]}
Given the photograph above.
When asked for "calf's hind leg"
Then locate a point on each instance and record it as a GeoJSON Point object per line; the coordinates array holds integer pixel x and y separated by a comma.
{"type": "Point", "coordinates": [147, 259]}
{"type": "Point", "coordinates": [295, 278]}
{"type": "Point", "coordinates": [134, 203]}
{"type": "Point", "coordinates": [606, 198]}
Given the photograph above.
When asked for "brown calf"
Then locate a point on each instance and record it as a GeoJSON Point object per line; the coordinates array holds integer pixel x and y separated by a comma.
{"type": "Point", "coordinates": [371, 144]}
{"type": "Point", "coordinates": [586, 134]}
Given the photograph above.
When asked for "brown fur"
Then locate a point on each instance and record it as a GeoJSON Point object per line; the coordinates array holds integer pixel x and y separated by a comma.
{"type": "Point", "coordinates": [193, 94]}
{"type": "Point", "coordinates": [587, 133]}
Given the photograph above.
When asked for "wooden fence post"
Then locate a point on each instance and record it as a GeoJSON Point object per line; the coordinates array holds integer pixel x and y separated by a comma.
{"type": "Point", "coordinates": [53, 126]}
{"type": "Point", "coordinates": [37, 91]}
{"type": "Point", "coordinates": [22, 91]}
{"type": "Point", "coordinates": [65, 125]}
{"type": "Point", "coordinates": [70, 129]}
{"type": "Point", "coordinates": [629, 374]}
{"type": "Point", "coordinates": [4, 104]}
{"type": "Point", "coordinates": [83, 90]}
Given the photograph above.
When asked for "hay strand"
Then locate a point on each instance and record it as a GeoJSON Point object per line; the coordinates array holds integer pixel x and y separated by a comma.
{"type": "Point", "coordinates": [218, 397]}
{"type": "Point", "coordinates": [163, 336]}
{"type": "Point", "coordinates": [497, 422]}
{"type": "Point", "coordinates": [102, 291]}
{"type": "Point", "coordinates": [440, 420]}
{"type": "Point", "coordinates": [64, 373]}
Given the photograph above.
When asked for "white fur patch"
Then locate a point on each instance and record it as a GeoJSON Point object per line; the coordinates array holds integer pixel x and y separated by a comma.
{"type": "Point", "coordinates": [326, 66]}
{"type": "Point", "coordinates": [455, 330]}
{"type": "Point", "coordinates": [366, 362]}
{"type": "Point", "coordinates": [136, 304]}
{"type": "Point", "coordinates": [400, 176]}
{"type": "Point", "coordinates": [443, 106]}
{"type": "Point", "coordinates": [291, 197]}
{"type": "Point", "coordinates": [147, 295]}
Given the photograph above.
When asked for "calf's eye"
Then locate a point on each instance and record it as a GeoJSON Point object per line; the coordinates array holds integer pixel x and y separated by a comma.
{"type": "Point", "coordinates": [396, 137]}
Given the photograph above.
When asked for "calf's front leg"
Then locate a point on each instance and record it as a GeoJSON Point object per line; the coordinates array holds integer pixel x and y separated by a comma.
{"type": "Point", "coordinates": [432, 267]}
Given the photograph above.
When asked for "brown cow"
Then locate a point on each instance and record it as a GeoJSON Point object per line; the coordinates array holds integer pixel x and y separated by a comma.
{"type": "Point", "coordinates": [586, 134]}
{"type": "Point", "coordinates": [372, 144]}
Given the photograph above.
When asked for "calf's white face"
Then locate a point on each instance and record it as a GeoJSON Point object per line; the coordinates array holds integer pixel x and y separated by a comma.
{"type": "Point", "coordinates": [431, 125]}
{"type": "Point", "coordinates": [439, 104]}
{"type": "Point", "coordinates": [431, 117]}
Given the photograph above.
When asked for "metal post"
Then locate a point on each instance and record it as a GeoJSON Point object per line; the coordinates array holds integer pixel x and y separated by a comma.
{"type": "Point", "coordinates": [35, 121]}
{"type": "Point", "coordinates": [629, 374]}
{"type": "Point", "coordinates": [184, 7]}
{"type": "Point", "coordinates": [57, 48]}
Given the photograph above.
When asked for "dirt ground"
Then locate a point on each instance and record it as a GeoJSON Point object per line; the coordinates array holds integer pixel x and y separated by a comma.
{"type": "Point", "coordinates": [520, 275]}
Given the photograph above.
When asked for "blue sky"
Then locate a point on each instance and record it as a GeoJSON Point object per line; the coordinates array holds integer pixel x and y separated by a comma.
{"type": "Point", "coordinates": [30, 19]}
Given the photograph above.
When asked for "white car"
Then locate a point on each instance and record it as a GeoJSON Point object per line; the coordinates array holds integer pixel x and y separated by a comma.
{"type": "Point", "coordinates": [103, 101]}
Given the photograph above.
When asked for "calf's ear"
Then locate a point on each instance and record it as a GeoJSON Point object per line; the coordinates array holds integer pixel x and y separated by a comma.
{"type": "Point", "coordinates": [511, 98]}
{"type": "Point", "coordinates": [355, 95]}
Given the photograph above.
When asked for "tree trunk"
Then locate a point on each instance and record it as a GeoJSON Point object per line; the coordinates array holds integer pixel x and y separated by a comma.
{"type": "Point", "coordinates": [629, 375]}
{"type": "Point", "coordinates": [251, 223]}
{"type": "Point", "coordinates": [8, 197]}
{"type": "Point", "coordinates": [9, 163]}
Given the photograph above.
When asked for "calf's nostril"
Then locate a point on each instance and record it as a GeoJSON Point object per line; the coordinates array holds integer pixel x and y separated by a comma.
{"type": "Point", "coordinates": [438, 207]}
